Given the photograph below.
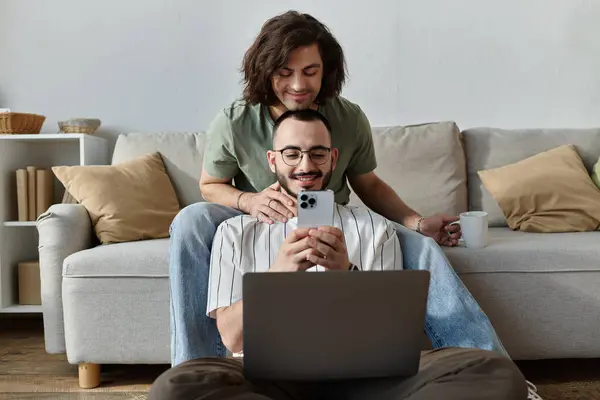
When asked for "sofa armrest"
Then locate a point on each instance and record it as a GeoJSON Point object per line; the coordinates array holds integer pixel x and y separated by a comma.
{"type": "Point", "coordinates": [63, 229]}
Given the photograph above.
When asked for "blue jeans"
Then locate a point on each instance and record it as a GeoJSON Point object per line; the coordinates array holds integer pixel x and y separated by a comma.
{"type": "Point", "coordinates": [454, 319]}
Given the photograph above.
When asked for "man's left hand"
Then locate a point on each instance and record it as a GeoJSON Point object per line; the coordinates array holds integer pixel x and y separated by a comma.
{"type": "Point", "coordinates": [437, 227]}
{"type": "Point", "coordinates": [329, 242]}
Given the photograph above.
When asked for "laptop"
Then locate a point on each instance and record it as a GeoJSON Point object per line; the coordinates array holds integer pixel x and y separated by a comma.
{"type": "Point", "coordinates": [303, 326]}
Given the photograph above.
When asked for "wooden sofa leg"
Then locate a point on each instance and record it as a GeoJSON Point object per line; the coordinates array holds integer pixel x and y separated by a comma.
{"type": "Point", "coordinates": [89, 375]}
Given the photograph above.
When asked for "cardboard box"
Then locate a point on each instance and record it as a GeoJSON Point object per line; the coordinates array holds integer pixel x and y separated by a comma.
{"type": "Point", "coordinates": [29, 283]}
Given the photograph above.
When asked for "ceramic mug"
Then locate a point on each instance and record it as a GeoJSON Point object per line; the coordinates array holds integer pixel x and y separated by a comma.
{"type": "Point", "coordinates": [474, 228]}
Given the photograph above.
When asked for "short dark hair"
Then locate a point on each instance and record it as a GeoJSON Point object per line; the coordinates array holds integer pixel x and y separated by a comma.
{"type": "Point", "coordinates": [271, 48]}
{"type": "Point", "coordinates": [302, 115]}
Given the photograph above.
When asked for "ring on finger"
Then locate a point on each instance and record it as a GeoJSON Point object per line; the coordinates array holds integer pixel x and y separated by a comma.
{"type": "Point", "coordinates": [269, 203]}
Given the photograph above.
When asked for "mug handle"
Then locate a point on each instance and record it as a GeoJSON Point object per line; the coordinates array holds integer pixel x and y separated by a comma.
{"type": "Point", "coordinates": [461, 239]}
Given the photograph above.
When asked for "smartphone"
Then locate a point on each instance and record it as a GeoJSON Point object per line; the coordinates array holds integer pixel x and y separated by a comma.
{"type": "Point", "coordinates": [315, 208]}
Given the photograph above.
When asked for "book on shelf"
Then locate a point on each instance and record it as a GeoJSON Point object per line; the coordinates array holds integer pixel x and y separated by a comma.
{"type": "Point", "coordinates": [31, 193]}
{"type": "Point", "coordinates": [44, 190]}
{"type": "Point", "coordinates": [35, 192]}
{"type": "Point", "coordinates": [22, 195]}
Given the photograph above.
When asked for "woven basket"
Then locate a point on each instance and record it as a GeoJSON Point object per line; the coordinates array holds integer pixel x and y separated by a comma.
{"type": "Point", "coordinates": [20, 123]}
{"type": "Point", "coordinates": [79, 125]}
{"type": "Point", "coordinates": [78, 129]}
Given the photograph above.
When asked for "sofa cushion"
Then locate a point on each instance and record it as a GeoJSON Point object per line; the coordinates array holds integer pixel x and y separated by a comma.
{"type": "Point", "coordinates": [182, 154]}
{"type": "Point", "coordinates": [122, 199]}
{"type": "Point", "coordinates": [117, 320]}
{"type": "Point", "coordinates": [517, 251]}
{"type": "Point", "coordinates": [540, 290]}
{"type": "Point", "coordinates": [488, 148]}
{"type": "Point", "coordinates": [144, 258]}
{"type": "Point", "coordinates": [549, 192]}
{"type": "Point", "coordinates": [424, 164]}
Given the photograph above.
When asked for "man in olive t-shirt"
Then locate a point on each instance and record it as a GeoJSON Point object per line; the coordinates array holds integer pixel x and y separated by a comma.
{"type": "Point", "coordinates": [295, 63]}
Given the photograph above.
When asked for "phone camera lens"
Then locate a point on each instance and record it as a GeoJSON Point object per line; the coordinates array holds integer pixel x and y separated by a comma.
{"type": "Point", "coordinates": [311, 201]}
{"type": "Point", "coordinates": [303, 197]}
{"type": "Point", "coordinates": [303, 205]}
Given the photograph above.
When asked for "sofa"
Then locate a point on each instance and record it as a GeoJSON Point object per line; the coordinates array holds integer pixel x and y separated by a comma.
{"type": "Point", "coordinates": [108, 304]}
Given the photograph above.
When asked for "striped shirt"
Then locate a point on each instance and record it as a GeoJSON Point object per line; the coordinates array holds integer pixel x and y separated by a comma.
{"type": "Point", "coordinates": [244, 244]}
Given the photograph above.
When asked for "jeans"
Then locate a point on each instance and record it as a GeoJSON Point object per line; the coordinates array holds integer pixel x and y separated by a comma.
{"type": "Point", "coordinates": [193, 333]}
{"type": "Point", "coordinates": [453, 317]}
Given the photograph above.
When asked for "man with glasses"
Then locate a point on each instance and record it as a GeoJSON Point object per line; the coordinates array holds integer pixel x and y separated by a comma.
{"type": "Point", "coordinates": [304, 159]}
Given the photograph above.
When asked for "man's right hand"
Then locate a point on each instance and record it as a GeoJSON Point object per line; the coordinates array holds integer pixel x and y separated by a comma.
{"type": "Point", "coordinates": [271, 204]}
{"type": "Point", "coordinates": [293, 253]}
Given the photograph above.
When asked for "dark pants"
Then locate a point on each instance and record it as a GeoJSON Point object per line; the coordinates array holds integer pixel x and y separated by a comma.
{"type": "Point", "coordinates": [450, 373]}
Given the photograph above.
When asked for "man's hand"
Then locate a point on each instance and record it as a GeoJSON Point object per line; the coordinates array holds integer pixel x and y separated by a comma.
{"type": "Point", "coordinates": [438, 228]}
{"type": "Point", "coordinates": [270, 204]}
{"type": "Point", "coordinates": [330, 245]}
{"type": "Point", "coordinates": [295, 252]}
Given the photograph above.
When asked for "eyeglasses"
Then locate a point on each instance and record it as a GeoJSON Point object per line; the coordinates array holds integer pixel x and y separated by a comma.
{"type": "Point", "coordinates": [293, 157]}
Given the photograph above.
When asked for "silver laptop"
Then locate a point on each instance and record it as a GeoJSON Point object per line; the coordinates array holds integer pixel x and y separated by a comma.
{"type": "Point", "coordinates": [322, 326]}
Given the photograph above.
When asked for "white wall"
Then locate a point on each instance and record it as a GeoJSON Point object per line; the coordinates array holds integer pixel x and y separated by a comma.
{"type": "Point", "coordinates": [159, 65]}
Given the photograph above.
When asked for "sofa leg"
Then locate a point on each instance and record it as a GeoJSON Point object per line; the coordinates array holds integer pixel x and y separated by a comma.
{"type": "Point", "coordinates": [89, 375]}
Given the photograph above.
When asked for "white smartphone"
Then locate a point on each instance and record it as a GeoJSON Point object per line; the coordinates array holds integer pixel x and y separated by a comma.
{"type": "Point", "coordinates": [315, 208]}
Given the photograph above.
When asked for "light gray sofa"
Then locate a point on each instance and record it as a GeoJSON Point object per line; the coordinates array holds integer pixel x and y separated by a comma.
{"type": "Point", "coordinates": [110, 304]}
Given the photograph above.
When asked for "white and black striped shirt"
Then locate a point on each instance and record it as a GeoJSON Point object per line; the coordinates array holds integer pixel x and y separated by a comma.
{"type": "Point", "coordinates": [244, 244]}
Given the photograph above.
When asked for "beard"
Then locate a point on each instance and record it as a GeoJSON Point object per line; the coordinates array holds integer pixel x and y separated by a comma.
{"type": "Point", "coordinates": [290, 104]}
{"type": "Point", "coordinates": [284, 180]}
{"type": "Point", "coordinates": [295, 106]}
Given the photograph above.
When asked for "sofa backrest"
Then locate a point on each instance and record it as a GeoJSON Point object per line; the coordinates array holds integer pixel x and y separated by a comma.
{"type": "Point", "coordinates": [429, 165]}
{"type": "Point", "coordinates": [487, 148]}
{"type": "Point", "coordinates": [182, 154]}
{"type": "Point", "coordinates": [424, 164]}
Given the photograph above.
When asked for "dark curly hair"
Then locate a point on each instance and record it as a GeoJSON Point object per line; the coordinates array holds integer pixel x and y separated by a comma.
{"type": "Point", "coordinates": [307, 114]}
{"type": "Point", "coordinates": [275, 41]}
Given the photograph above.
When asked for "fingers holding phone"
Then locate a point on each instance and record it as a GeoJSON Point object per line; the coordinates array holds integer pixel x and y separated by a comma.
{"type": "Point", "coordinates": [316, 212]}
{"type": "Point", "coordinates": [330, 245]}
{"type": "Point", "coordinates": [294, 253]}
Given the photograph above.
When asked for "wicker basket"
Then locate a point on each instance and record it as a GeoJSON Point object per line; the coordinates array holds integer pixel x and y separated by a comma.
{"type": "Point", "coordinates": [79, 125]}
{"type": "Point", "coordinates": [78, 129]}
{"type": "Point", "coordinates": [20, 123]}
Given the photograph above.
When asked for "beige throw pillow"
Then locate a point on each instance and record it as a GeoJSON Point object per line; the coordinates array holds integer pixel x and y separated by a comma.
{"type": "Point", "coordinates": [133, 200]}
{"type": "Point", "coordinates": [549, 192]}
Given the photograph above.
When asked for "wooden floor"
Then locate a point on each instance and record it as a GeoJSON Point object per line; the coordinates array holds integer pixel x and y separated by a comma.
{"type": "Point", "coordinates": [28, 372]}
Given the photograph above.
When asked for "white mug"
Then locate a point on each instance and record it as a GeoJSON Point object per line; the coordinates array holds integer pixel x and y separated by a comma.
{"type": "Point", "coordinates": [474, 228]}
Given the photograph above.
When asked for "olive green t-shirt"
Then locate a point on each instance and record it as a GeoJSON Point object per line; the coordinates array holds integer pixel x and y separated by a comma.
{"type": "Point", "coordinates": [240, 135]}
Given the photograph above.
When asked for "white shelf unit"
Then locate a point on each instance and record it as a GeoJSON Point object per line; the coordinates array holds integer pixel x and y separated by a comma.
{"type": "Point", "coordinates": [19, 239]}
